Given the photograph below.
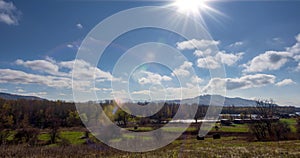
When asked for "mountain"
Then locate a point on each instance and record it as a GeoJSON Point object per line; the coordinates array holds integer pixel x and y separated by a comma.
{"type": "Point", "coordinates": [219, 100]}
{"type": "Point", "coordinates": [16, 97]}
{"type": "Point", "coordinates": [202, 100]}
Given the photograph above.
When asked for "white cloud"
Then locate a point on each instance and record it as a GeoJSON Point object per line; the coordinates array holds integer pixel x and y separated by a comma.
{"type": "Point", "coordinates": [146, 77]}
{"type": "Point", "coordinates": [244, 82]}
{"type": "Point", "coordinates": [38, 94]}
{"type": "Point", "coordinates": [214, 62]}
{"type": "Point", "coordinates": [169, 93]}
{"type": "Point", "coordinates": [9, 14]}
{"type": "Point", "coordinates": [196, 79]}
{"type": "Point", "coordinates": [62, 94]}
{"type": "Point", "coordinates": [208, 63]}
{"type": "Point", "coordinates": [20, 90]}
{"type": "Point", "coordinates": [298, 67]}
{"type": "Point", "coordinates": [236, 44]}
{"type": "Point", "coordinates": [96, 89]}
{"type": "Point", "coordinates": [274, 60]}
{"type": "Point", "coordinates": [196, 44]}
{"type": "Point", "coordinates": [183, 70]}
{"type": "Point", "coordinates": [40, 65]}
{"type": "Point", "coordinates": [208, 58]}
{"type": "Point", "coordinates": [141, 92]}
{"type": "Point", "coordinates": [79, 26]}
{"type": "Point", "coordinates": [277, 40]}
{"type": "Point", "coordinates": [84, 74]}
{"type": "Point", "coordinates": [84, 70]}
{"type": "Point", "coordinates": [270, 60]}
{"type": "Point", "coordinates": [70, 46]}
{"type": "Point", "coordinates": [298, 37]}
{"type": "Point", "coordinates": [228, 59]}
{"type": "Point", "coordinates": [67, 64]}
{"type": "Point", "coordinates": [297, 57]}
{"type": "Point", "coordinates": [200, 53]}
{"type": "Point", "coordinates": [285, 82]}
{"type": "Point", "coordinates": [295, 49]}
{"type": "Point", "coordinates": [20, 77]}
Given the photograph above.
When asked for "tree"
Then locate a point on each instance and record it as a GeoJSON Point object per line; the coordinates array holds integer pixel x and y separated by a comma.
{"type": "Point", "coordinates": [53, 123]}
{"type": "Point", "coordinates": [27, 135]}
{"type": "Point", "coordinates": [267, 127]}
{"type": "Point", "coordinates": [6, 122]}
{"type": "Point", "coordinates": [73, 119]}
{"type": "Point", "coordinates": [298, 127]}
{"type": "Point", "coordinates": [121, 117]}
{"type": "Point", "coordinates": [265, 108]}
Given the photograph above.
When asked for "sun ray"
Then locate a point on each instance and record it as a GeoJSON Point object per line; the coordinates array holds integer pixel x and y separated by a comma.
{"type": "Point", "coordinates": [196, 9]}
{"type": "Point", "coordinates": [190, 6]}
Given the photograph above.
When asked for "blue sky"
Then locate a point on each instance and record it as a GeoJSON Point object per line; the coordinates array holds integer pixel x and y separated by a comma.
{"type": "Point", "coordinates": [258, 41]}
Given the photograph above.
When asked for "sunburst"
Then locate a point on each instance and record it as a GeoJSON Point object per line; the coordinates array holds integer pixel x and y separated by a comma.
{"type": "Point", "coordinates": [191, 6]}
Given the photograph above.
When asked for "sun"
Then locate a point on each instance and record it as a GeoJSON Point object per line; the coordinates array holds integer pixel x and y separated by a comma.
{"type": "Point", "coordinates": [190, 6]}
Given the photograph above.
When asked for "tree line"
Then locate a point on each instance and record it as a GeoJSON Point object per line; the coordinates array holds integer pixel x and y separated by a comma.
{"type": "Point", "coordinates": [25, 116]}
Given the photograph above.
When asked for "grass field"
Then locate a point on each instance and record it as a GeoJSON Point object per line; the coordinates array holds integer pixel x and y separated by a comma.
{"type": "Point", "coordinates": [186, 148]}
{"type": "Point", "coordinates": [292, 123]}
{"type": "Point", "coordinates": [233, 128]}
{"type": "Point", "coordinates": [243, 128]}
{"type": "Point", "coordinates": [73, 136]}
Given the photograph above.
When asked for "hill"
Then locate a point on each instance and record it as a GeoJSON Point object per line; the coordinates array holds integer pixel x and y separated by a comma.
{"type": "Point", "coordinates": [8, 96]}
{"type": "Point", "coordinates": [219, 100]}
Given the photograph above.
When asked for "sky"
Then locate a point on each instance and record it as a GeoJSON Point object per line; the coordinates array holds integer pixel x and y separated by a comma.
{"type": "Point", "coordinates": [258, 45]}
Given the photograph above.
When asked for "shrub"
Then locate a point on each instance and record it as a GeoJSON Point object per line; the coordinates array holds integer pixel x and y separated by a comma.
{"type": "Point", "coordinates": [281, 130]}
{"type": "Point", "coordinates": [4, 134]}
{"type": "Point", "coordinates": [200, 138]}
{"type": "Point", "coordinates": [259, 130]}
{"type": "Point", "coordinates": [64, 142]}
{"type": "Point", "coordinates": [217, 136]}
{"type": "Point", "coordinates": [27, 135]}
{"type": "Point", "coordinates": [270, 131]}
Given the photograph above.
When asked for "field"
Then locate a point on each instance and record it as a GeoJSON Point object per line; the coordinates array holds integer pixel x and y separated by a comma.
{"type": "Point", "coordinates": [189, 147]}
{"type": "Point", "coordinates": [233, 143]}
{"type": "Point", "coordinates": [292, 123]}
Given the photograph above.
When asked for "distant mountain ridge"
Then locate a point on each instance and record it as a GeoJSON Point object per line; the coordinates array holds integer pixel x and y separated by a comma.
{"type": "Point", "coordinates": [202, 100]}
{"type": "Point", "coordinates": [8, 96]}
{"type": "Point", "coordinates": [218, 100]}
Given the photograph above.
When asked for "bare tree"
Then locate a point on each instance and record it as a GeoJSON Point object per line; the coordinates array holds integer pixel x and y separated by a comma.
{"type": "Point", "coordinates": [265, 109]}
{"type": "Point", "coordinates": [263, 128]}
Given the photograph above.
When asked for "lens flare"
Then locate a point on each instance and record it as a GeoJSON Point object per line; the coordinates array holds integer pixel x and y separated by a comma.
{"type": "Point", "coordinates": [190, 6]}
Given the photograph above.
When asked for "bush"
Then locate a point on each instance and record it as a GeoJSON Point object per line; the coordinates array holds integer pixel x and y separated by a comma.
{"type": "Point", "coordinates": [4, 134]}
{"type": "Point", "coordinates": [27, 135]}
{"type": "Point", "coordinates": [278, 130]}
{"type": "Point", "coordinates": [281, 130]}
{"type": "Point", "coordinates": [217, 136]}
{"type": "Point", "coordinates": [64, 142]}
{"type": "Point", "coordinates": [259, 130]}
{"type": "Point", "coordinates": [200, 138]}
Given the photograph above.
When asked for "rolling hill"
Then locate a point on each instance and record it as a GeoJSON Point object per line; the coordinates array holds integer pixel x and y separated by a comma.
{"type": "Point", "coordinates": [202, 100]}
{"type": "Point", "coordinates": [16, 97]}
{"type": "Point", "coordinates": [219, 100]}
